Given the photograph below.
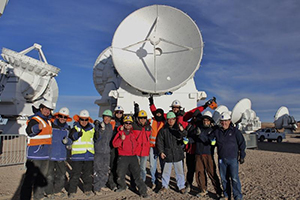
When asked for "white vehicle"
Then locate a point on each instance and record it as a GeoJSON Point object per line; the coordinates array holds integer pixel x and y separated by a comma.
{"type": "Point", "coordinates": [270, 134]}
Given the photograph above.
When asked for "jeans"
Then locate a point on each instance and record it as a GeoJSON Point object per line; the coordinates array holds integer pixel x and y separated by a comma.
{"type": "Point", "coordinates": [229, 168]}
{"type": "Point", "coordinates": [143, 163]}
{"type": "Point", "coordinates": [153, 164]}
{"type": "Point", "coordinates": [178, 167]}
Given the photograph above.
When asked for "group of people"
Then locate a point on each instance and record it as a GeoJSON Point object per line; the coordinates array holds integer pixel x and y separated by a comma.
{"type": "Point", "coordinates": [102, 153]}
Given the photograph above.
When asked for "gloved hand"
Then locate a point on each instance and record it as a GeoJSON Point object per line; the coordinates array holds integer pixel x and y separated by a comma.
{"type": "Point", "coordinates": [65, 140]}
{"type": "Point", "coordinates": [136, 105]}
{"type": "Point", "coordinates": [72, 131]}
{"type": "Point", "coordinates": [151, 102]}
{"type": "Point", "coordinates": [209, 102]}
{"type": "Point", "coordinates": [102, 126]}
{"type": "Point", "coordinates": [97, 125]}
{"type": "Point", "coordinates": [80, 132]}
{"type": "Point", "coordinates": [242, 160]}
{"type": "Point", "coordinates": [180, 113]}
{"type": "Point", "coordinates": [185, 140]}
{"type": "Point", "coordinates": [198, 131]}
{"type": "Point", "coordinates": [213, 142]}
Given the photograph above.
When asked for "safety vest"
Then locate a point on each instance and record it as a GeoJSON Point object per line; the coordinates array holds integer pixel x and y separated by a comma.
{"type": "Point", "coordinates": [154, 132]}
{"type": "Point", "coordinates": [113, 123]}
{"type": "Point", "coordinates": [45, 136]}
{"type": "Point", "coordinates": [84, 143]}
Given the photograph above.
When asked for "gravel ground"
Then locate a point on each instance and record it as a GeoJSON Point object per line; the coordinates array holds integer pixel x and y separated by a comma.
{"type": "Point", "coordinates": [270, 172]}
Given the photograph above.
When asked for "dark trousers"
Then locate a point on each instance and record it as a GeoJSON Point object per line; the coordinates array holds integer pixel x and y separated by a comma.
{"type": "Point", "coordinates": [130, 163]}
{"type": "Point", "coordinates": [83, 169]}
{"type": "Point", "coordinates": [190, 163]}
{"type": "Point", "coordinates": [56, 177]}
{"type": "Point", "coordinates": [35, 179]}
{"type": "Point", "coordinates": [112, 178]}
{"type": "Point", "coordinates": [101, 170]}
{"type": "Point", "coordinates": [206, 164]}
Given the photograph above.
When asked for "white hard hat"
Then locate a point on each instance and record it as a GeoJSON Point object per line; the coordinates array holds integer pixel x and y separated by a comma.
{"type": "Point", "coordinates": [119, 108]}
{"type": "Point", "coordinates": [176, 103]}
{"type": "Point", "coordinates": [84, 113]}
{"type": "Point", "coordinates": [64, 111]}
{"type": "Point", "coordinates": [207, 113]}
{"type": "Point", "coordinates": [48, 104]}
{"type": "Point", "coordinates": [225, 116]}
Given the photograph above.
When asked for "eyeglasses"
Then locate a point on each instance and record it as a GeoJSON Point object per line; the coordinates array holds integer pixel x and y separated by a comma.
{"type": "Point", "coordinates": [128, 123]}
{"type": "Point", "coordinates": [62, 116]}
{"type": "Point", "coordinates": [142, 117]}
{"type": "Point", "coordinates": [119, 112]}
{"type": "Point", "coordinates": [84, 120]}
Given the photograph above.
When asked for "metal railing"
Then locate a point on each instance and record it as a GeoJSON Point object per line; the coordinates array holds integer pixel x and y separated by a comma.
{"type": "Point", "coordinates": [12, 149]}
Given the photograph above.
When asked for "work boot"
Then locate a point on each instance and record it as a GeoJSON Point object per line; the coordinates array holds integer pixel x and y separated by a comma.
{"type": "Point", "coordinates": [163, 190]}
{"type": "Point", "coordinates": [120, 189]}
{"type": "Point", "coordinates": [72, 195]}
{"type": "Point", "coordinates": [202, 194]}
{"type": "Point", "coordinates": [183, 191]}
{"type": "Point", "coordinates": [145, 195]}
{"type": "Point", "coordinates": [89, 193]}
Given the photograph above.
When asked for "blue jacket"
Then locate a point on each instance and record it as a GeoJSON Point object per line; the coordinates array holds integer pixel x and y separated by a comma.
{"type": "Point", "coordinates": [58, 151]}
{"type": "Point", "coordinates": [230, 143]}
{"type": "Point", "coordinates": [88, 156]}
{"type": "Point", "coordinates": [38, 152]}
{"type": "Point", "coordinates": [203, 146]}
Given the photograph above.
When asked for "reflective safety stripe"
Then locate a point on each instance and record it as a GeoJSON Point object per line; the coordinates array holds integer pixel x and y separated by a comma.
{"type": "Point", "coordinates": [40, 120]}
{"type": "Point", "coordinates": [41, 137]}
{"type": "Point", "coordinates": [84, 143]}
{"type": "Point", "coordinates": [83, 149]}
{"type": "Point", "coordinates": [80, 142]}
{"type": "Point", "coordinates": [44, 136]}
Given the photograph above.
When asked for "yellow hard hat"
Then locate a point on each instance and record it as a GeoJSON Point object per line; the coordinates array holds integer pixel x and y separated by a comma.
{"type": "Point", "coordinates": [127, 118]}
{"type": "Point", "coordinates": [142, 113]}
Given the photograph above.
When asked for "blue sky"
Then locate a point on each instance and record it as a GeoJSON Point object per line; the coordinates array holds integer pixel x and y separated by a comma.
{"type": "Point", "coordinates": [251, 48]}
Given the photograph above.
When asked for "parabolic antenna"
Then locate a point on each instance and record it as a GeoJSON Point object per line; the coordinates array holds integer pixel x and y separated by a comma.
{"type": "Point", "coordinates": [218, 111]}
{"type": "Point", "coordinates": [281, 111]}
{"type": "Point", "coordinates": [157, 49]}
{"type": "Point", "coordinates": [239, 109]}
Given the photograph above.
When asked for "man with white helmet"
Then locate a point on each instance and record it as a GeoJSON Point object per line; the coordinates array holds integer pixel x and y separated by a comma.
{"type": "Point", "coordinates": [39, 130]}
{"type": "Point", "coordinates": [205, 164]}
{"type": "Point", "coordinates": [82, 154]}
{"type": "Point", "coordinates": [103, 139]}
{"type": "Point", "coordinates": [116, 122]}
{"type": "Point", "coordinates": [231, 149]}
{"type": "Point", "coordinates": [56, 175]}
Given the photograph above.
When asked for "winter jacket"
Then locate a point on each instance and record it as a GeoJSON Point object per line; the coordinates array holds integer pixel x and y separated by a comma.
{"type": "Point", "coordinates": [58, 151]}
{"type": "Point", "coordinates": [128, 146]}
{"type": "Point", "coordinates": [102, 144]}
{"type": "Point", "coordinates": [169, 142]}
{"type": "Point", "coordinates": [88, 155]}
{"type": "Point", "coordinates": [230, 142]}
{"type": "Point", "coordinates": [41, 151]}
{"type": "Point", "coordinates": [116, 123]}
{"type": "Point", "coordinates": [204, 146]}
{"type": "Point", "coordinates": [179, 116]}
{"type": "Point", "coordinates": [142, 135]}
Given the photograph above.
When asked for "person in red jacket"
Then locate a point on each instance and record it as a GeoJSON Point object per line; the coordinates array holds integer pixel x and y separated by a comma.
{"type": "Point", "coordinates": [175, 108]}
{"type": "Point", "coordinates": [142, 132]}
{"type": "Point", "coordinates": [126, 143]}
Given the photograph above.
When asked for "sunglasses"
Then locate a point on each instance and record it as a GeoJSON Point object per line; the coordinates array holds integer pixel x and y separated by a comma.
{"type": "Point", "coordinates": [119, 112]}
{"type": "Point", "coordinates": [62, 116]}
{"type": "Point", "coordinates": [84, 120]}
{"type": "Point", "coordinates": [128, 123]}
{"type": "Point", "coordinates": [142, 117]}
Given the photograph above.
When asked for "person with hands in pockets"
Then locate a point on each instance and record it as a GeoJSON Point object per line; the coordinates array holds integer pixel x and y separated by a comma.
{"type": "Point", "coordinates": [82, 154]}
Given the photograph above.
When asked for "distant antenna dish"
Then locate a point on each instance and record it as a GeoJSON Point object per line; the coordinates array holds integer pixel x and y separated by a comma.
{"type": "Point", "coordinates": [161, 45]}
{"type": "Point", "coordinates": [218, 111]}
{"type": "Point", "coordinates": [281, 111]}
{"type": "Point", "coordinates": [239, 109]}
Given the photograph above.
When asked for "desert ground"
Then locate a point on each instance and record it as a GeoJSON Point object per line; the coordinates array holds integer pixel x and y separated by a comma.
{"type": "Point", "coordinates": [272, 171]}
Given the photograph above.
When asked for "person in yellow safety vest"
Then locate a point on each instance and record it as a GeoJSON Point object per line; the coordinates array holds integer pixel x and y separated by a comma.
{"type": "Point", "coordinates": [158, 122]}
{"type": "Point", "coordinates": [82, 154]}
{"type": "Point", "coordinates": [39, 130]}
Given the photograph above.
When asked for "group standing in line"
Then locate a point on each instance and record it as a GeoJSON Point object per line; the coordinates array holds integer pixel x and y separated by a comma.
{"type": "Point", "coordinates": [102, 153]}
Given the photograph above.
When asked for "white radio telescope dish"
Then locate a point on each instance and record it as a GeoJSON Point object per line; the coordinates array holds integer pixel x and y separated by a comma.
{"type": "Point", "coordinates": [239, 109]}
{"type": "Point", "coordinates": [161, 45]}
{"type": "Point", "coordinates": [281, 111]}
{"type": "Point", "coordinates": [282, 119]}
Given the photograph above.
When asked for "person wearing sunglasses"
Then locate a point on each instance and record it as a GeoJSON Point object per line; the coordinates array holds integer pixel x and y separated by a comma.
{"type": "Point", "coordinates": [142, 132]}
{"type": "Point", "coordinates": [82, 154]}
{"type": "Point", "coordinates": [169, 144]}
{"type": "Point", "coordinates": [103, 138]}
{"type": "Point", "coordinates": [116, 122]}
{"type": "Point", "coordinates": [56, 175]}
{"type": "Point", "coordinates": [39, 130]}
{"type": "Point", "coordinates": [126, 143]}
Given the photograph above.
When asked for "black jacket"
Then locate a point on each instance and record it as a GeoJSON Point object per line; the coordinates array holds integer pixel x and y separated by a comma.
{"type": "Point", "coordinates": [103, 142]}
{"type": "Point", "coordinates": [169, 142]}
